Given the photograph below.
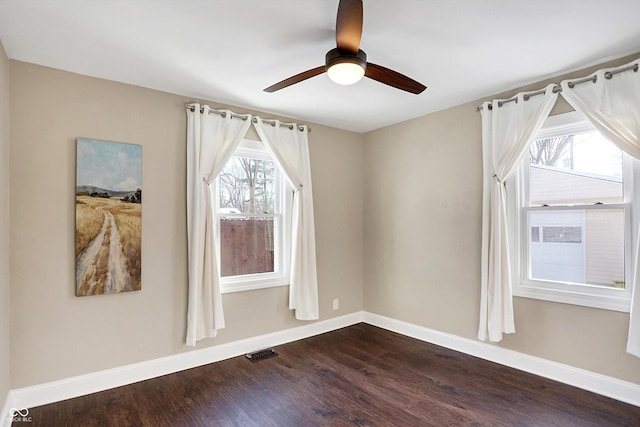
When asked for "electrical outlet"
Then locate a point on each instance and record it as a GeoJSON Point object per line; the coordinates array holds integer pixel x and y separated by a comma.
{"type": "Point", "coordinates": [336, 304]}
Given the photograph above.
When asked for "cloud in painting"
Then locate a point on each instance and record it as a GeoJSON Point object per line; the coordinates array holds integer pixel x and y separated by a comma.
{"type": "Point", "coordinates": [127, 185]}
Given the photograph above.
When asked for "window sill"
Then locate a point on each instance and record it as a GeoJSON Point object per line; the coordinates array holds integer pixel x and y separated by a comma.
{"type": "Point", "coordinates": [251, 283]}
{"type": "Point", "coordinates": [605, 300]}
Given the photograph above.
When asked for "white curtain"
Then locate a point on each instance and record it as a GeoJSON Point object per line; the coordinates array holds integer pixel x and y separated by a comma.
{"type": "Point", "coordinates": [612, 104]}
{"type": "Point", "coordinates": [507, 132]}
{"type": "Point", "coordinates": [211, 139]}
{"type": "Point", "coordinates": [289, 146]}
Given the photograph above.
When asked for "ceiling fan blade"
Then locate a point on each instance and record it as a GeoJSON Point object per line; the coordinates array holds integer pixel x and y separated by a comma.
{"type": "Point", "coordinates": [296, 79]}
{"type": "Point", "coordinates": [393, 78]}
{"type": "Point", "coordinates": [349, 26]}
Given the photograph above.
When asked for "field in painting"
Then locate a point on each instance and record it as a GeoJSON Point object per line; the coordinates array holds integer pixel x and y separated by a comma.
{"type": "Point", "coordinates": [108, 245]}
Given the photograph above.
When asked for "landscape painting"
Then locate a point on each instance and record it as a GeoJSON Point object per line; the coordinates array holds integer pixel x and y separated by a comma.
{"type": "Point", "coordinates": [108, 217]}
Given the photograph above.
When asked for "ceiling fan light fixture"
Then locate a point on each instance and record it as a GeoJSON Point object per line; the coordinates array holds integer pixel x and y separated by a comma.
{"type": "Point", "coordinates": [345, 73]}
{"type": "Point", "coordinates": [344, 68]}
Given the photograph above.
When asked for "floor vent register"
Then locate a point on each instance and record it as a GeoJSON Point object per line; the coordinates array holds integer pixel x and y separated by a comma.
{"type": "Point", "coordinates": [261, 354]}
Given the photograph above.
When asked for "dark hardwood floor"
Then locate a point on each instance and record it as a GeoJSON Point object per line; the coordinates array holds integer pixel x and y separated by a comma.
{"type": "Point", "coordinates": [360, 375]}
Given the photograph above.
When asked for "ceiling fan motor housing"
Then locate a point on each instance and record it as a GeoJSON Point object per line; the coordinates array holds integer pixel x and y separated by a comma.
{"type": "Point", "coordinates": [337, 56]}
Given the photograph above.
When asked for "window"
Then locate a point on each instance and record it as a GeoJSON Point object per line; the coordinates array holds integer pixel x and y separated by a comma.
{"type": "Point", "coordinates": [575, 217]}
{"type": "Point", "coordinates": [251, 199]}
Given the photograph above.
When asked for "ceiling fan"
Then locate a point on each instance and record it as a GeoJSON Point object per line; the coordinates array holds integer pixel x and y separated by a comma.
{"type": "Point", "coordinates": [347, 63]}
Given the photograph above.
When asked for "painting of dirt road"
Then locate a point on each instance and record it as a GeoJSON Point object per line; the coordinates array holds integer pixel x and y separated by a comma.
{"type": "Point", "coordinates": [108, 217]}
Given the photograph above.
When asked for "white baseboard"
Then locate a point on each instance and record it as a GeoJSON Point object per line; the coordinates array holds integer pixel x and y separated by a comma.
{"type": "Point", "coordinates": [601, 384]}
{"type": "Point", "coordinates": [55, 391]}
{"type": "Point", "coordinates": [68, 388]}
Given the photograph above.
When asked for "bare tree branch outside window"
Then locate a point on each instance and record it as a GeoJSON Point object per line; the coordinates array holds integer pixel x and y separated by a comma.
{"type": "Point", "coordinates": [246, 185]}
{"type": "Point", "coordinates": [550, 151]}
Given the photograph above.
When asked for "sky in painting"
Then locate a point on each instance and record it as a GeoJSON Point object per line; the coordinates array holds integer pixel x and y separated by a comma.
{"type": "Point", "coordinates": [109, 165]}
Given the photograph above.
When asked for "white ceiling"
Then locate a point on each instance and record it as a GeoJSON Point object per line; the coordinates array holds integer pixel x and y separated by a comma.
{"type": "Point", "coordinates": [229, 50]}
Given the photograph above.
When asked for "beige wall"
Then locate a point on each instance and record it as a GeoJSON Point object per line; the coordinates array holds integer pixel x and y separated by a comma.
{"type": "Point", "coordinates": [422, 234]}
{"type": "Point", "coordinates": [421, 241]}
{"type": "Point", "coordinates": [4, 225]}
{"type": "Point", "coordinates": [56, 335]}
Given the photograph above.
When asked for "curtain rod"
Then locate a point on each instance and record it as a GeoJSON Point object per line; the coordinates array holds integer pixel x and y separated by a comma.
{"type": "Point", "coordinates": [558, 88]}
{"type": "Point", "coordinates": [273, 123]}
{"type": "Point", "coordinates": [192, 108]}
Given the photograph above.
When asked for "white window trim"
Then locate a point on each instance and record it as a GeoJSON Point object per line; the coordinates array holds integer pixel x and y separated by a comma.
{"type": "Point", "coordinates": [282, 248]}
{"type": "Point", "coordinates": [568, 293]}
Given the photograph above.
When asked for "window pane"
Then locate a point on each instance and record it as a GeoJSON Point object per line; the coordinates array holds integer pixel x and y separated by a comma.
{"type": "Point", "coordinates": [246, 185]}
{"type": "Point", "coordinates": [578, 246]}
{"type": "Point", "coordinates": [246, 245]}
{"type": "Point", "coordinates": [575, 169]}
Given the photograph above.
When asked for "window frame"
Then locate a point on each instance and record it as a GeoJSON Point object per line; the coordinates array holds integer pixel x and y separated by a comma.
{"type": "Point", "coordinates": [281, 225]}
{"type": "Point", "coordinates": [518, 209]}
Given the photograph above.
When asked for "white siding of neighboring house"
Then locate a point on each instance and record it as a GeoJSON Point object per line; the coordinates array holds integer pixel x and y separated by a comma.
{"type": "Point", "coordinates": [604, 247]}
{"type": "Point", "coordinates": [563, 186]}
